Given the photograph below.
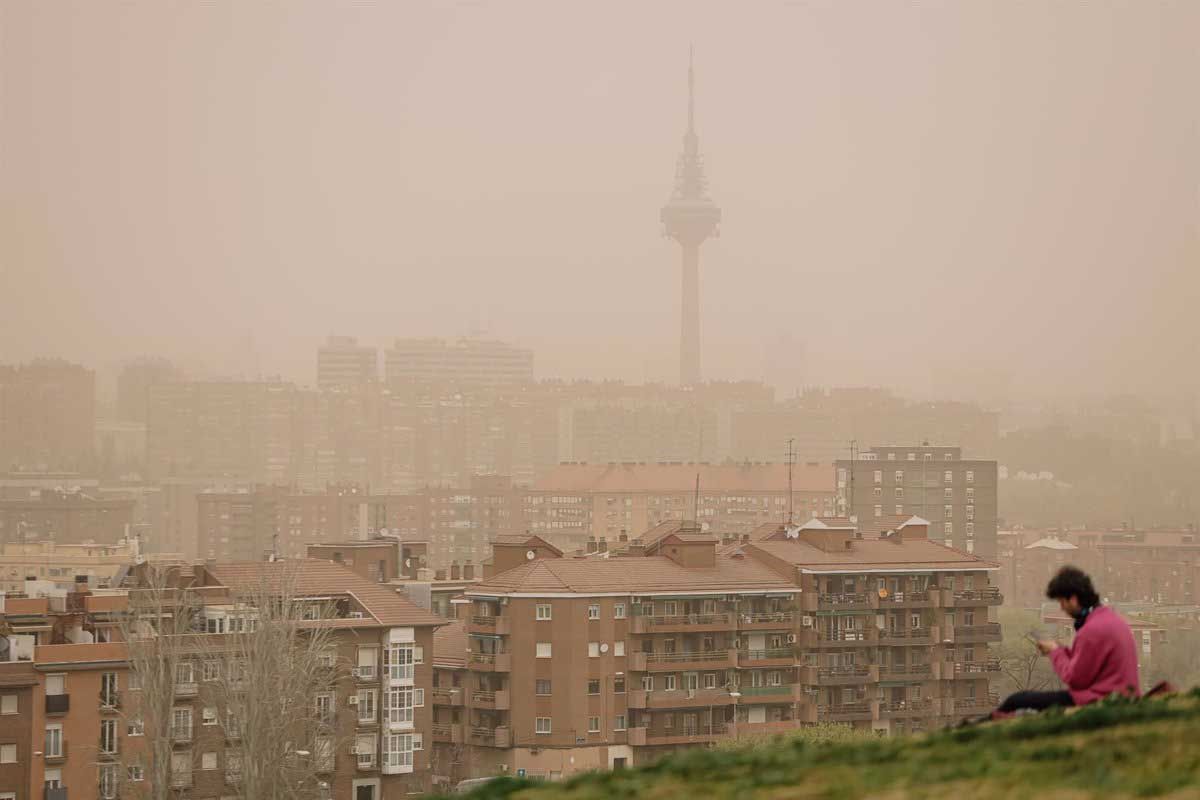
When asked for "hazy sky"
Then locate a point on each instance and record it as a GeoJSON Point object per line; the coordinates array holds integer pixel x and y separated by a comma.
{"type": "Point", "coordinates": [1003, 192]}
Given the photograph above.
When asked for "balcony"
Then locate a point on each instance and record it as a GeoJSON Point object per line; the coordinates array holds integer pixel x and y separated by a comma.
{"type": "Point", "coordinates": [699, 734]}
{"type": "Point", "coordinates": [975, 705]}
{"type": "Point", "coordinates": [977, 634]}
{"type": "Point", "coordinates": [57, 756]}
{"type": "Point", "coordinates": [447, 696]}
{"type": "Point", "coordinates": [490, 737]}
{"type": "Point", "coordinates": [906, 637]}
{"type": "Point", "coordinates": [977, 667]}
{"type": "Point", "coordinates": [186, 690]}
{"type": "Point", "coordinates": [498, 700]}
{"type": "Point", "coordinates": [490, 662]}
{"type": "Point", "coordinates": [674, 662]}
{"type": "Point", "coordinates": [773, 621]}
{"type": "Point", "coordinates": [847, 601]}
{"type": "Point", "coordinates": [906, 672]}
{"type": "Point", "coordinates": [926, 599]}
{"type": "Point", "coordinates": [766, 694]}
{"type": "Point", "coordinates": [679, 698]}
{"type": "Point", "coordinates": [846, 638]}
{"type": "Point", "coordinates": [742, 729]}
{"type": "Point", "coordinates": [58, 703]}
{"type": "Point", "coordinates": [847, 675]}
{"type": "Point", "coordinates": [989, 596]}
{"type": "Point", "coordinates": [774, 657]}
{"type": "Point", "coordinates": [682, 623]}
{"type": "Point", "coordinates": [498, 626]}
{"type": "Point", "coordinates": [846, 712]}
{"type": "Point", "coordinates": [905, 708]}
{"type": "Point", "coordinates": [448, 733]}
{"type": "Point", "coordinates": [110, 701]}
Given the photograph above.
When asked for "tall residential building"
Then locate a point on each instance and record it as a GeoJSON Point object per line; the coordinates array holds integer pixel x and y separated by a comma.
{"type": "Point", "coordinates": [957, 495]}
{"type": "Point", "coordinates": [134, 382]}
{"type": "Point", "coordinates": [562, 664]}
{"type": "Point", "coordinates": [65, 517]}
{"type": "Point", "coordinates": [62, 565]}
{"type": "Point", "coordinates": [690, 217]}
{"type": "Point", "coordinates": [342, 362]}
{"type": "Point", "coordinates": [466, 362]}
{"type": "Point", "coordinates": [47, 416]}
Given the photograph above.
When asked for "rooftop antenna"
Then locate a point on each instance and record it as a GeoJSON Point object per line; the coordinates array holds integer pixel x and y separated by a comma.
{"type": "Point", "coordinates": [696, 502]}
{"type": "Point", "coordinates": [853, 468]}
{"type": "Point", "coordinates": [791, 462]}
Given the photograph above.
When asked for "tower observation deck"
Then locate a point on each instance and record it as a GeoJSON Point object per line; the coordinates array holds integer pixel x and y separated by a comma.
{"type": "Point", "coordinates": [690, 217]}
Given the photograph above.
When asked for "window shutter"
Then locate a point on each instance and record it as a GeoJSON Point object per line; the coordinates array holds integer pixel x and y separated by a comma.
{"type": "Point", "coordinates": [418, 697]}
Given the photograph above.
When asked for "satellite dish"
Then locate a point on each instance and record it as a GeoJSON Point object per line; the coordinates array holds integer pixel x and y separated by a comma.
{"type": "Point", "coordinates": [408, 562]}
{"type": "Point", "coordinates": [530, 555]}
{"type": "Point", "coordinates": [604, 647]}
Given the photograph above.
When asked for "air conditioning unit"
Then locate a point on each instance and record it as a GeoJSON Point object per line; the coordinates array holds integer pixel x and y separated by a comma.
{"type": "Point", "coordinates": [352, 700]}
{"type": "Point", "coordinates": [791, 638]}
{"type": "Point", "coordinates": [807, 622]}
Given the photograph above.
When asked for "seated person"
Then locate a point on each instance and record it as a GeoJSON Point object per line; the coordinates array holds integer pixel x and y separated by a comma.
{"type": "Point", "coordinates": [1101, 660]}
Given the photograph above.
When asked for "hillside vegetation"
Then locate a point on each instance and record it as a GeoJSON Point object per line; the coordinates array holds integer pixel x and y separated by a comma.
{"type": "Point", "coordinates": [1116, 749]}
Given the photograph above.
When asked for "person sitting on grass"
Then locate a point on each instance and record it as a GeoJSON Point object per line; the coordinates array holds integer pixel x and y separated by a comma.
{"type": "Point", "coordinates": [1101, 661]}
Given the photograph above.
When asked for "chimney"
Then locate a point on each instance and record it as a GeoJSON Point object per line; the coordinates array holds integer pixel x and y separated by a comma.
{"type": "Point", "coordinates": [468, 572]}
{"type": "Point", "coordinates": [602, 545]}
{"type": "Point", "coordinates": [624, 537]}
{"type": "Point", "coordinates": [591, 544]}
{"type": "Point", "coordinates": [455, 571]}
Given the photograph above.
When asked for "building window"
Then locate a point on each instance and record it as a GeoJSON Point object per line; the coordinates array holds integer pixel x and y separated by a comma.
{"type": "Point", "coordinates": [618, 611]}
{"type": "Point", "coordinates": [947, 511]}
{"type": "Point", "coordinates": [543, 611]}
{"type": "Point", "coordinates": [542, 725]}
{"type": "Point", "coordinates": [542, 687]}
{"type": "Point", "coordinates": [399, 660]}
{"type": "Point", "coordinates": [364, 750]}
{"type": "Point", "coordinates": [970, 476]}
{"type": "Point", "coordinates": [899, 493]}
{"type": "Point", "coordinates": [544, 650]}
{"type": "Point", "coordinates": [593, 724]}
{"type": "Point", "coordinates": [109, 780]}
{"type": "Point", "coordinates": [181, 723]}
{"type": "Point", "coordinates": [594, 611]}
{"type": "Point", "coordinates": [669, 682]}
{"type": "Point", "coordinates": [710, 680]}
{"type": "Point", "coordinates": [399, 702]}
{"type": "Point", "coordinates": [8, 704]}
{"type": "Point", "coordinates": [970, 494]}
{"type": "Point", "coordinates": [8, 754]}
{"type": "Point", "coordinates": [211, 670]}
{"type": "Point", "coordinates": [879, 476]}
{"type": "Point", "coordinates": [324, 708]}
{"type": "Point", "coordinates": [948, 493]}
{"type": "Point", "coordinates": [619, 648]}
{"type": "Point", "coordinates": [593, 686]}
{"type": "Point", "coordinates": [367, 659]}
{"type": "Point", "coordinates": [647, 683]}
{"type": "Point", "coordinates": [948, 528]}
{"type": "Point", "coordinates": [970, 529]}
{"type": "Point", "coordinates": [108, 736]}
{"type": "Point", "coordinates": [208, 760]}
{"type": "Point", "coordinates": [899, 476]}
{"type": "Point", "coordinates": [593, 649]}
{"type": "Point", "coordinates": [970, 545]}
{"type": "Point", "coordinates": [879, 511]}
{"type": "Point", "coordinates": [208, 716]}
{"type": "Point", "coordinates": [970, 512]}
{"type": "Point", "coordinates": [899, 509]}
{"type": "Point", "coordinates": [618, 684]}
{"type": "Point", "coordinates": [948, 476]}
{"type": "Point", "coordinates": [135, 727]}
{"type": "Point", "coordinates": [54, 741]}
{"type": "Point", "coordinates": [366, 705]}
{"type": "Point", "coordinates": [619, 722]}
{"type": "Point", "coordinates": [136, 773]}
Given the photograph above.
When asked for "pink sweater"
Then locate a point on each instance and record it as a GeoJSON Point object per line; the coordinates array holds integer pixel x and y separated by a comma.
{"type": "Point", "coordinates": [1101, 660]}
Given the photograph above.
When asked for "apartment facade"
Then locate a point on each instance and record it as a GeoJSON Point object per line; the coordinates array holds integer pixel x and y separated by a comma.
{"type": "Point", "coordinates": [47, 416]}
{"type": "Point", "coordinates": [561, 664]}
{"type": "Point", "coordinates": [342, 361]}
{"type": "Point", "coordinates": [65, 517]}
{"type": "Point", "coordinates": [463, 362]}
{"type": "Point", "coordinates": [958, 496]}
{"type": "Point", "coordinates": [62, 564]}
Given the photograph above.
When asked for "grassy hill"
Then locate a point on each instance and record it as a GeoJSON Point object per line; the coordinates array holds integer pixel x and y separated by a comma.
{"type": "Point", "coordinates": [1115, 749]}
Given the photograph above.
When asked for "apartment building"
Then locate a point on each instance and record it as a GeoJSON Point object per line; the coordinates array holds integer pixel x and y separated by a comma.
{"type": "Point", "coordinates": [69, 719]}
{"type": "Point", "coordinates": [47, 416]}
{"type": "Point", "coordinates": [342, 361]}
{"type": "Point", "coordinates": [607, 500]}
{"type": "Point", "coordinates": [560, 664]}
{"type": "Point", "coordinates": [63, 564]}
{"type": "Point", "coordinates": [959, 496]}
{"type": "Point", "coordinates": [65, 517]}
{"type": "Point", "coordinates": [245, 525]}
{"type": "Point", "coordinates": [462, 362]}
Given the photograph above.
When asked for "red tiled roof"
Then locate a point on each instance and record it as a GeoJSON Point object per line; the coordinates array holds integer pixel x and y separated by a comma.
{"type": "Point", "coordinates": [633, 575]}
{"type": "Point", "coordinates": [316, 578]}
{"type": "Point", "coordinates": [450, 644]}
{"type": "Point", "coordinates": [875, 554]}
{"type": "Point", "coordinates": [682, 478]}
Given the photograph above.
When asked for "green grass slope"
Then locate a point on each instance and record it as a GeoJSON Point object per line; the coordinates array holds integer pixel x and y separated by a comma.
{"type": "Point", "coordinates": [1116, 749]}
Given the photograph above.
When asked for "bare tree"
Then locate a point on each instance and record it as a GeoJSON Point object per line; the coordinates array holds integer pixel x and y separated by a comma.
{"type": "Point", "coordinates": [1023, 668]}
{"type": "Point", "coordinates": [277, 668]}
{"type": "Point", "coordinates": [158, 631]}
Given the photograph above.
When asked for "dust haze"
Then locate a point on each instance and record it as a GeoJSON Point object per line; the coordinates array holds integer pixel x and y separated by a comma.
{"type": "Point", "coordinates": [979, 200]}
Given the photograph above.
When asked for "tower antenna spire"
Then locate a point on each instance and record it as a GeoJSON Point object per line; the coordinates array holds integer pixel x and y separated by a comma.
{"type": "Point", "coordinates": [691, 91]}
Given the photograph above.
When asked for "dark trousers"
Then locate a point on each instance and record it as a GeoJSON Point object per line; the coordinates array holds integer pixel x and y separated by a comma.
{"type": "Point", "coordinates": [1038, 701]}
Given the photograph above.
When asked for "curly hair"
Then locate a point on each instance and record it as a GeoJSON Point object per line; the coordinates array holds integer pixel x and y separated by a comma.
{"type": "Point", "coordinates": [1073, 582]}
